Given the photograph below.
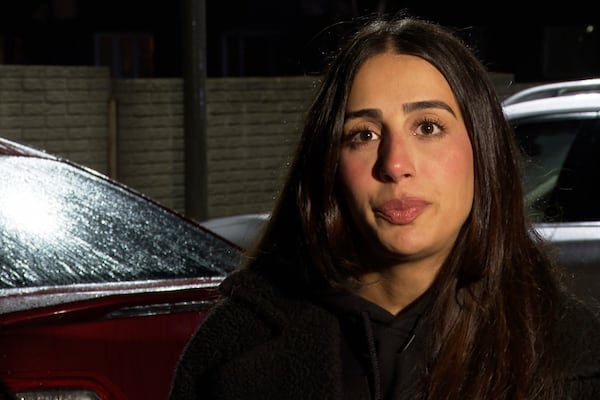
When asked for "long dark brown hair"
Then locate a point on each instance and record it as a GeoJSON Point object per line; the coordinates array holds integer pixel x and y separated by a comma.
{"type": "Point", "coordinates": [495, 294]}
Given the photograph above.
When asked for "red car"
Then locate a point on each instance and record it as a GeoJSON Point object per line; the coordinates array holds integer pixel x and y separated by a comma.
{"type": "Point", "coordinates": [100, 287]}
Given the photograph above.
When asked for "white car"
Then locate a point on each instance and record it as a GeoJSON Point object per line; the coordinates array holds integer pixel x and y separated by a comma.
{"type": "Point", "coordinates": [240, 229]}
{"type": "Point", "coordinates": [558, 128]}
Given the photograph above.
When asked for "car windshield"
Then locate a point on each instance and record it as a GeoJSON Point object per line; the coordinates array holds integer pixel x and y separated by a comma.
{"type": "Point", "coordinates": [62, 225]}
{"type": "Point", "coordinates": [561, 167]}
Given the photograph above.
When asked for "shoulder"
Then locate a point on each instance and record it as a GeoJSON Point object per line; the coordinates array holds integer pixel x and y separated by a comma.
{"type": "Point", "coordinates": [579, 324]}
{"type": "Point", "coordinates": [252, 311]}
{"type": "Point", "coordinates": [581, 344]}
{"type": "Point", "coordinates": [255, 325]}
{"type": "Point", "coordinates": [579, 341]}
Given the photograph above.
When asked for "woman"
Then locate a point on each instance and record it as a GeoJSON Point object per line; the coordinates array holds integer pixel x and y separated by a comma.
{"type": "Point", "coordinates": [398, 262]}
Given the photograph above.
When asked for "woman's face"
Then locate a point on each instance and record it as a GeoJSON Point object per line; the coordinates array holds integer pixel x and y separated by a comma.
{"type": "Point", "coordinates": [406, 163]}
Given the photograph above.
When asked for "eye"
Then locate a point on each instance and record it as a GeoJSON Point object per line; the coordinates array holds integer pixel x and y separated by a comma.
{"type": "Point", "coordinates": [365, 136]}
{"type": "Point", "coordinates": [360, 136]}
{"type": "Point", "coordinates": [428, 127]}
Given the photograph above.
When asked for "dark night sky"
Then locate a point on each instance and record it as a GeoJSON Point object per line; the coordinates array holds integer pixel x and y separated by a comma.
{"type": "Point", "coordinates": [287, 37]}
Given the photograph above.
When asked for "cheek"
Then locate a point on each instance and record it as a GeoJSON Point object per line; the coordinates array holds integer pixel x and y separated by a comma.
{"type": "Point", "coordinates": [354, 172]}
{"type": "Point", "coordinates": [347, 173]}
{"type": "Point", "coordinates": [458, 172]}
{"type": "Point", "coordinates": [355, 178]}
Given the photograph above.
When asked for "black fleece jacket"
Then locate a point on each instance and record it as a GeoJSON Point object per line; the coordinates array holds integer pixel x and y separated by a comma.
{"type": "Point", "coordinates": [383, 355]}
{"type": "Point", "coordinates": [258, 344]}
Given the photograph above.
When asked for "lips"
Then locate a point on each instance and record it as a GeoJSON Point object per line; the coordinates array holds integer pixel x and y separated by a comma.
{"type": "Point", "coordinates": [401, 211]}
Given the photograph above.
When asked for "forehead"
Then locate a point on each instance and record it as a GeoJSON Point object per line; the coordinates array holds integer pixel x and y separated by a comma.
{"type": "Point", "coordinates": [400, 76]}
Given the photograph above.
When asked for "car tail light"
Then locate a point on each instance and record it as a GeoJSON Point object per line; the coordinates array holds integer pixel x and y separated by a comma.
{"type": "Point", "coordinates": [72, 394]}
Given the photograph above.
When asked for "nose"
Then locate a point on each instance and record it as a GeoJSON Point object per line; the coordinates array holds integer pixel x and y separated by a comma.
{"type": "Point", "coordinates": [395, 159]}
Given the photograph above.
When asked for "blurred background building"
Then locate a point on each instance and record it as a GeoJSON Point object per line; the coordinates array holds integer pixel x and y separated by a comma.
{"type": "Point", "coordinates": [138, 38]}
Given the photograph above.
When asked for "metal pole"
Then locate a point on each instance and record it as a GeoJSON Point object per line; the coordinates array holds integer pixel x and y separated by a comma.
{"type": "Point", "coordinates": [194, 89]}
{"type": "Point", "coordinates": [112, 139]}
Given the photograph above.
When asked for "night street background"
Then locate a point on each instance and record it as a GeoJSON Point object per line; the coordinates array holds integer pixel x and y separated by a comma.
{"type": "Point", "coordinates": [275, 37]}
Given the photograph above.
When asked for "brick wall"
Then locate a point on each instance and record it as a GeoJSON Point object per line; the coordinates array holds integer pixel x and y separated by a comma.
{"type": "Point", "coordinates": [133, 130]}
{"type": "Point", "coordinates": [58, 109]}
{"type": "Point", "coordinates": [150, 138]}
{"type": "Point", "coordinates": [252, 125]}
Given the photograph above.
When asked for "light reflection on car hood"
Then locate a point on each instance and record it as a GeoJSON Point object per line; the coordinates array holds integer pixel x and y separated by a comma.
{"type": "Point", "coordinates": [61, 225]}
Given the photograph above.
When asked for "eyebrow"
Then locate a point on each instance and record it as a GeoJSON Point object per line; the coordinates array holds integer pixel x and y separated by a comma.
{"type": "Point", "coordinates": [407, 108]}
{"type": "Point", "coordinates": [420, 105]}
{"type": "Point", "coordinates": [367, 112]}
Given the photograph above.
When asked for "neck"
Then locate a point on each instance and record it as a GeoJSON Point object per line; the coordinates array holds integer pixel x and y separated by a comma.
{"type": "Point", "coordinates": [395, 288]}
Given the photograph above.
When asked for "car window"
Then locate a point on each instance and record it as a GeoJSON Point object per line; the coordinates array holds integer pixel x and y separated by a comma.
{"type": "Point", "coordinates": [64, 225]}
{"type": "Point", "coordinates": [558, 156]}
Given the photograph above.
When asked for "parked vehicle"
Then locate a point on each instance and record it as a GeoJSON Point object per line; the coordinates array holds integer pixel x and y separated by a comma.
{"type": "Point", "coordinates": [241, 229]}
{"type": "Point", "coordinates": [558, 128]}
{"type": "Point", "coordinates": [100, 287]}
